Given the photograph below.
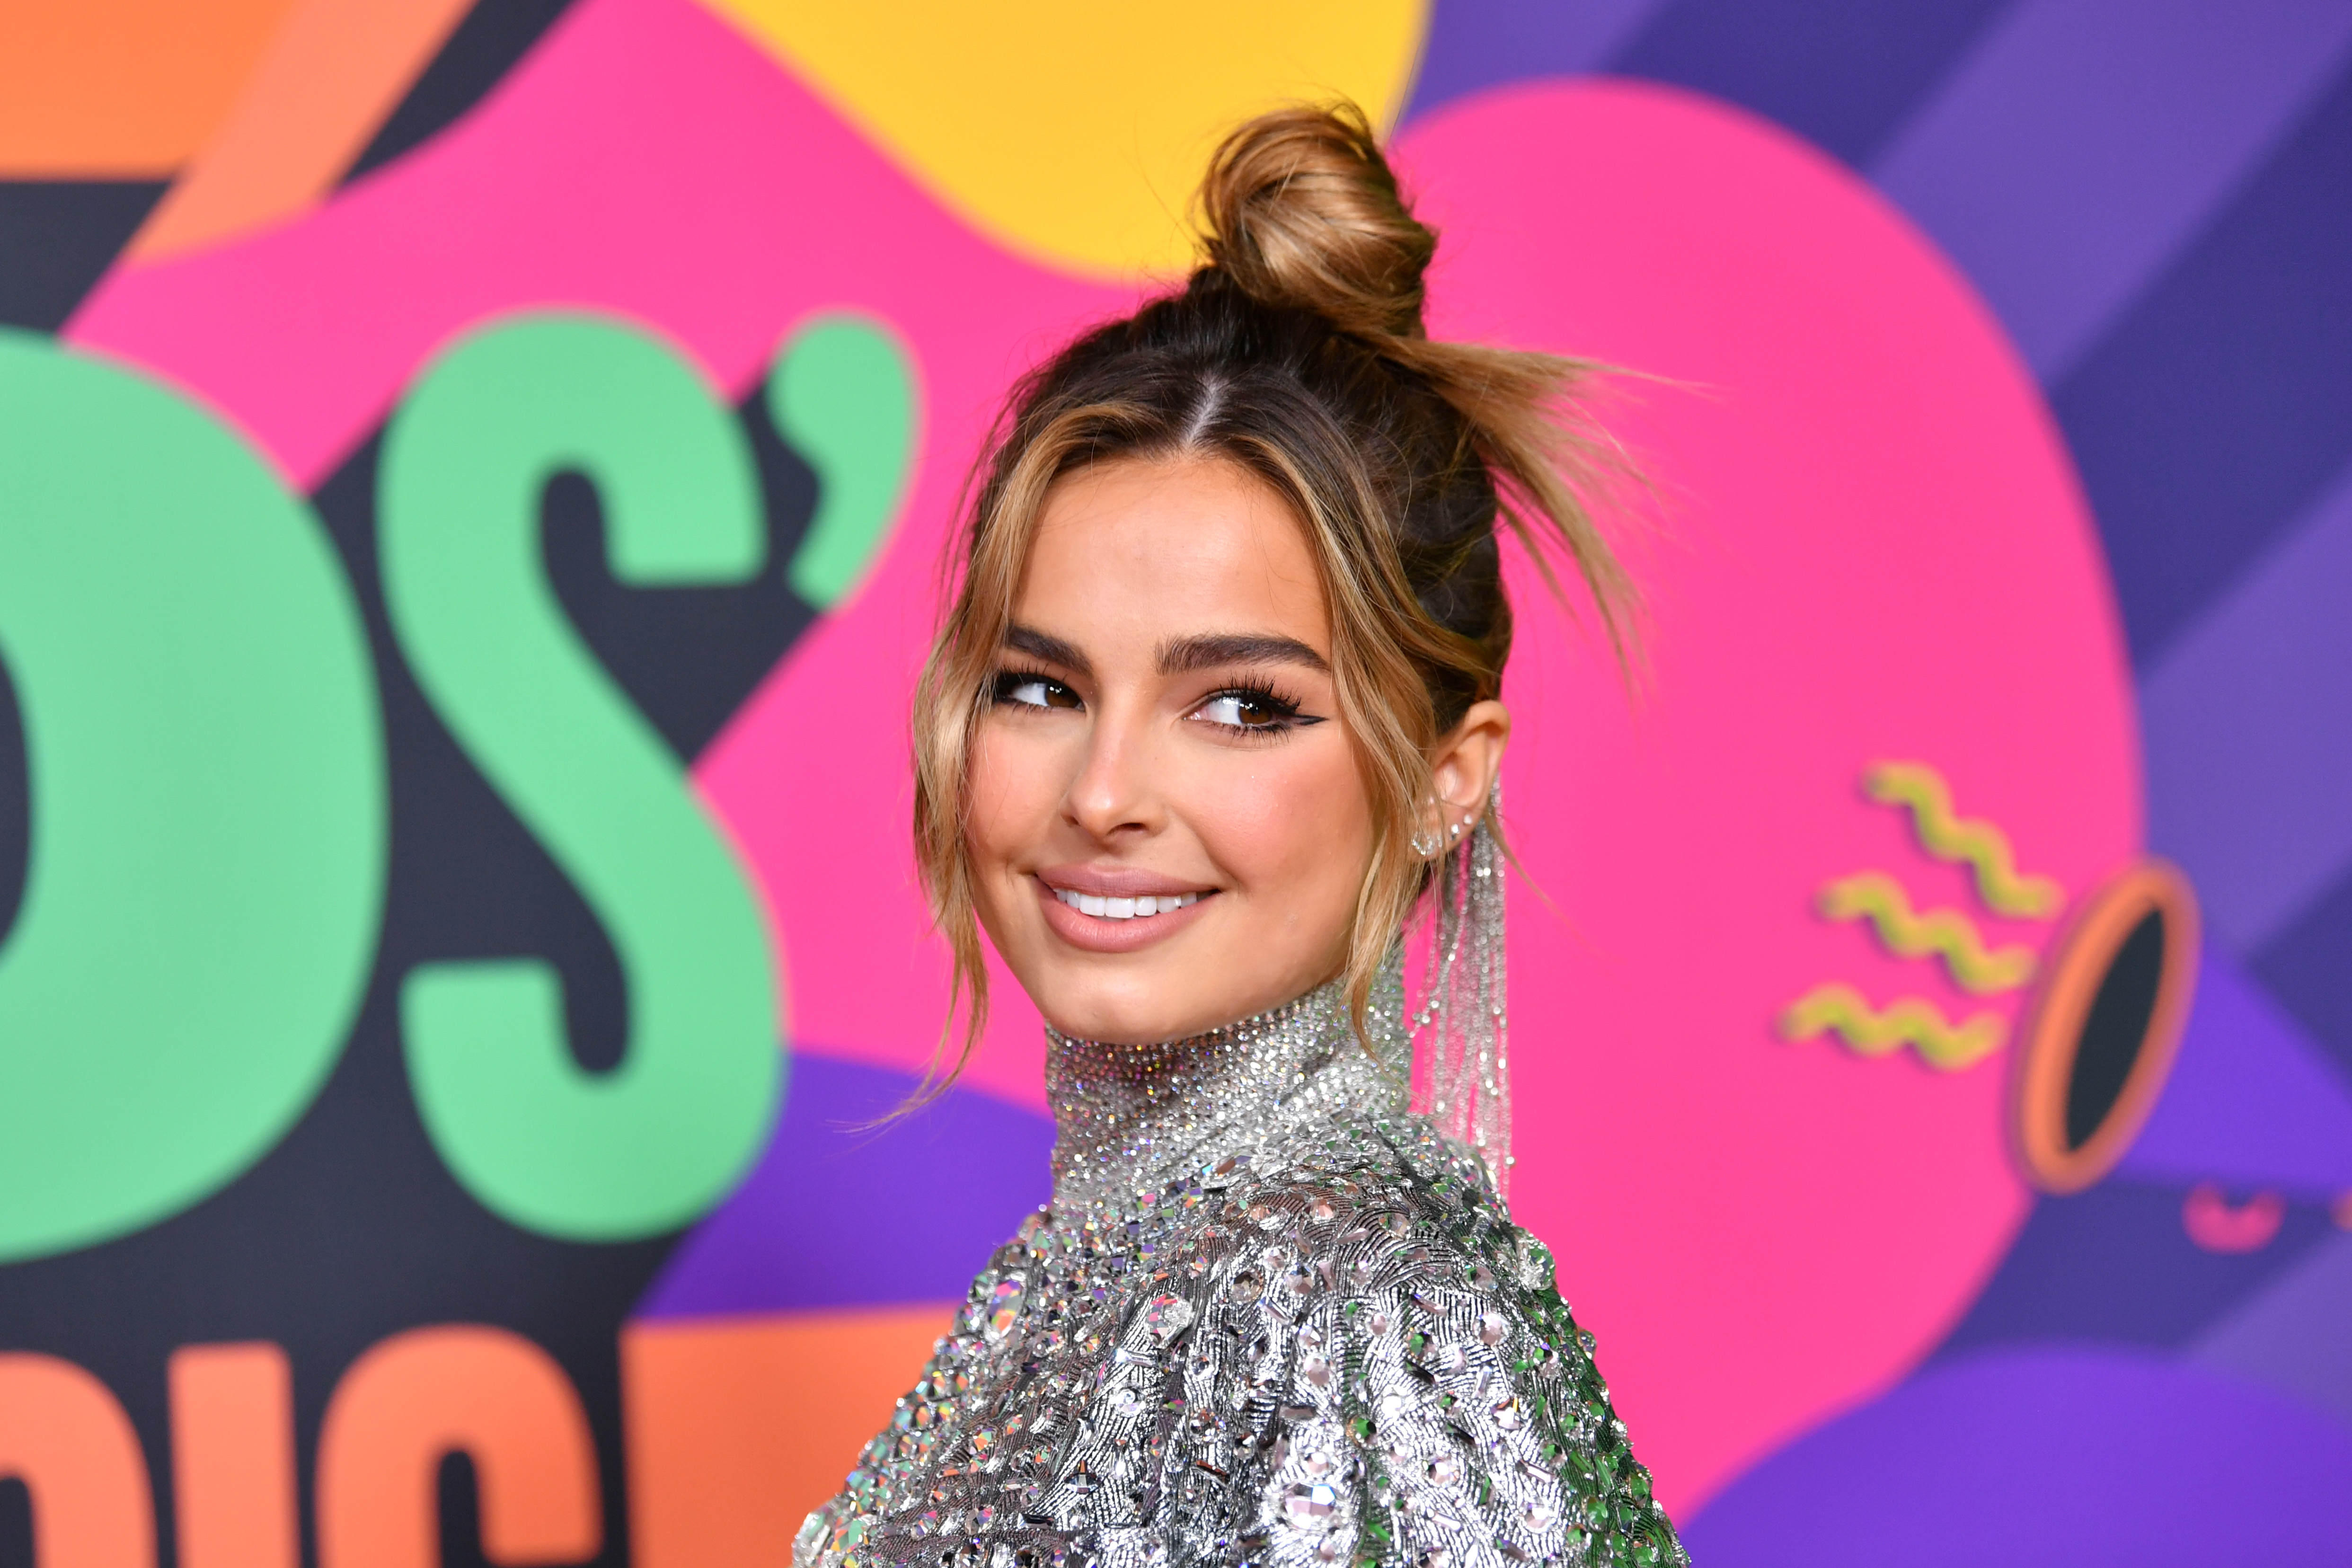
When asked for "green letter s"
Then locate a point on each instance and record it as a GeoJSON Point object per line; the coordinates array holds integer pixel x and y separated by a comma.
{"type": "Point", "coordinates": [537, 1138]}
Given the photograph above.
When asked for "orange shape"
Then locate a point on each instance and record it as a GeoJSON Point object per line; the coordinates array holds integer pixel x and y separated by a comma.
{"type": "Point", "coordinates": [233, 1456]}
{"type": "Point", "coordinates": [738, 1426]}
{"type": "Point", "coordinates": [418, 1396]}
{"type": "Point", "coordinates": [335, 70]}
{"type": "Point", "coordinates": [2105, 1027]}
{"type": "Point", "coordinates": [122, 88]}
{"type": "Point", "coordinates": [63, 1434]}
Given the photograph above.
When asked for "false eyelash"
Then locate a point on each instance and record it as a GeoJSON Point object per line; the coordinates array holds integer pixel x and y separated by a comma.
{"type": "Point", "coordinates": [1285, 708]}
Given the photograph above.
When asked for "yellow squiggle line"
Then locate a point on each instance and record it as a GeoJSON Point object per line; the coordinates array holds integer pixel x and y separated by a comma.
{"type": "Point", "coordinates": [1952, 838]}
{"type": "Point", "coordinates": [1948, 933]}
{"type": "Point", "coordinates": [1912, 1020]}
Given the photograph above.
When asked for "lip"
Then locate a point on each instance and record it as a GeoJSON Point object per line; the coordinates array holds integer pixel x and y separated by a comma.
{"type": "Point", "coordinates": [1096, 934]}
{"type": "Point", "coordinates": [1117, 882]}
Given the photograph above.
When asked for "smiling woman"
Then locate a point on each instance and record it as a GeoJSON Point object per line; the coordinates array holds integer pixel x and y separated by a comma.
{"type": "Point", "coordinates": [1159, 731]}
{"type": "Point", "coordinates": [1211, 726]}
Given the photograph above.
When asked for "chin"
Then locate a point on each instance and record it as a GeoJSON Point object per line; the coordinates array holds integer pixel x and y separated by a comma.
{"type": "Point", "coordinates": [1139, 1006]}
{"type": "Point", "coordinates": [1123, 1010]}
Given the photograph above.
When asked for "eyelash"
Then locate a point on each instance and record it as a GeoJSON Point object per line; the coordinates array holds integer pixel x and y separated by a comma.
{"type": "Point", "coordinates": [1010, 680]}
{"type": "Point", "coordinates": [1286, 716]}
{"type": "Point", "coordinates": [1285, 710]}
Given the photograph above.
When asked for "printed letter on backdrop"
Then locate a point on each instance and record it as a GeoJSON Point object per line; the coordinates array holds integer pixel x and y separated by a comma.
{"type": "Point", "coordinates": [206, 759]}
{"type": "Point", "coordinates": [536, 1138]}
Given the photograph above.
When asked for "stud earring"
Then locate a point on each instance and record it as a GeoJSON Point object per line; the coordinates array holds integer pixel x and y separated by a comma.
{"type": "Point", "coordinates": [1424, 844]}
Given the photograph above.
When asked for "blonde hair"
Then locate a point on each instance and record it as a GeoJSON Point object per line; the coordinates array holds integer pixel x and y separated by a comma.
{"type": "Point", "coordinates": [1298, 353]}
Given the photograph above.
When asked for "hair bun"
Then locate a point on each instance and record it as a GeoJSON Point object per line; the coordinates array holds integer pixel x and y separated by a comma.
{"type": "Point", "coordinates": [1301, 210]}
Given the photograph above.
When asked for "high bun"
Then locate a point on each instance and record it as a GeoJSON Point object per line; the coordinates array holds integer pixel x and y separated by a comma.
{"type": "Point", "coordinates": [1301, 210]}
{"type": "Point", "coordinates": [1298, 353]}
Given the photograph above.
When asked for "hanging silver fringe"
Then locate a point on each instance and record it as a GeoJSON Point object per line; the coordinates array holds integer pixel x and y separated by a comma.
{"type": "Point", "coordinates": [1462, 1076]}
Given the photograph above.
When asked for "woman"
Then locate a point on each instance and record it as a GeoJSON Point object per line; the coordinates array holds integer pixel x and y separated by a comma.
{"type": "Point", "coordinates": [1212, 721]}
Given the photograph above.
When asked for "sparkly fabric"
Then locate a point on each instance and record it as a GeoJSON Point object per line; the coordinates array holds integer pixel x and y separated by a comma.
{"type": "Point", "coordinates": [1269, 1318]}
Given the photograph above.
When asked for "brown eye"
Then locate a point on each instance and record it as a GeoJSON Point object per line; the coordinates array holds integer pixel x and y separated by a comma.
{"type": "Point", "coordinates": [1017, 690]}
{"type": "Point", "coordinates": [1246, 711]}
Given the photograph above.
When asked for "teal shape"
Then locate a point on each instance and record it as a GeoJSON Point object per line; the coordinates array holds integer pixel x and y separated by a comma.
{"type": "Point", "coordinates": [842, 394]}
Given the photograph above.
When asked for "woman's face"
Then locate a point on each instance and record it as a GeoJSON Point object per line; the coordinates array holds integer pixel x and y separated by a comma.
{"type": "Point", "coordinates": [1168, 824]}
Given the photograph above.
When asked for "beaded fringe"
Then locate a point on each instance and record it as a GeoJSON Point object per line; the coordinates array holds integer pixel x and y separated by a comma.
{"type": "Point", "coordinates": [1461, 1034]}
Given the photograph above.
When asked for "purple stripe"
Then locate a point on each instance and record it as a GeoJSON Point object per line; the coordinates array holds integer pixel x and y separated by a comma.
{"type": "Point", "coordinates": [2084, 141]}
{"type": "Point", "coordinates": [2252, 1102]}
{"type": "Point", "coordinates": [2050, 1458]}
{"type": "Point", "coordinates": [1472, 44]}
{"type": "Point", "coordinates": [2293, 1336]}
{"type": "Point", "coordinates": [2247, 728]}
{"type": "Point", "coordinates": [836, 1217]}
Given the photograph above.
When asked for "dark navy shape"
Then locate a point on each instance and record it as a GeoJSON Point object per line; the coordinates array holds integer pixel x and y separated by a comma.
{"type": "Point", "coordinates": [476, 57]}
{"type": "Point", "coordinates": [59, 237]}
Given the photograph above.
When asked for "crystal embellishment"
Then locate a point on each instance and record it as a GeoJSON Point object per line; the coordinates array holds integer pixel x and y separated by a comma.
{"type": "Point", "coordinates": [1269, 1317]}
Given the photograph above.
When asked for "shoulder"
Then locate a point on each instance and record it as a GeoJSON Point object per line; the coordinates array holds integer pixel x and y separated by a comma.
{"type": "Point", "coordinates": [1427, 1333]}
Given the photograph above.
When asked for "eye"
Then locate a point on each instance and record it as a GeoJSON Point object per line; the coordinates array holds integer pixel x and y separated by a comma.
{"type": "Point", "coordinates": [1023, 689]}
{"type": "Point", "coordinates": [1250, 709]}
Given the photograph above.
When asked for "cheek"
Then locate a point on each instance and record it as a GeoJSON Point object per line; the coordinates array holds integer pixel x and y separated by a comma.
{"type": "Point", "coordinates": [1300, 820]}
{"type": "Point", "coordinates": [1016, 792]}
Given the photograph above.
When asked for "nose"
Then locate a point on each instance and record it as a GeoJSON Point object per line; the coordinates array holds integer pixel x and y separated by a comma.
{"type": "Point", "coordinates": [1115, 796]}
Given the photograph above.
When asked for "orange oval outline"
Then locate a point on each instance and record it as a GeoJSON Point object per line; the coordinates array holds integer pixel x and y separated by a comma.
{"type": "Point", "coordinates": [2054, 1029]}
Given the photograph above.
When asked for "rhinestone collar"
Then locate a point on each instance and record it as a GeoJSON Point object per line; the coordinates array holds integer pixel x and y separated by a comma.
{"type": "Point", "coordinates": [1130, 1119]}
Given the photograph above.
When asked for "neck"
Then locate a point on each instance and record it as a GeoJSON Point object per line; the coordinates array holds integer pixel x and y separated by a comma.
{"type": "Point", "coordinates": [1132, 1119]}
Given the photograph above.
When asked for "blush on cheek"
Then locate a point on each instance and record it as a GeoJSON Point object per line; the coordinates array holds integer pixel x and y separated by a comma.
{"type": "Point", "coordinates": [1014, 798]}
{"type": "Point", "coordinates": [1014, 788]}
{"type": "Point", "coordinates": [1293, 832]}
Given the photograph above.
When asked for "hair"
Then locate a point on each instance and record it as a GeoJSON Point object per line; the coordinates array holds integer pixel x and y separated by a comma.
{"type": "Point", "coordinates": [1297, 352]}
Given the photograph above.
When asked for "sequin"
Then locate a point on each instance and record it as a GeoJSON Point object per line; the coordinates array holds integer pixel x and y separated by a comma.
{"type": "Point", "coordinates": [1260, 1322]}
{"type": "Point", "coordinates": [1005, 1308]}
{"type": "Point", "coordinates": [1166, 1317]}
{"type": "Point", "coordinates": [1310, 1507]}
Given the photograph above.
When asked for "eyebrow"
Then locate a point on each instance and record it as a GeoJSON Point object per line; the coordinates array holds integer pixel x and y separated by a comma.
{"type": "Point", "coordinates": [1051, 650]}
{"type": "Point", "coordinates": [1185, 655]}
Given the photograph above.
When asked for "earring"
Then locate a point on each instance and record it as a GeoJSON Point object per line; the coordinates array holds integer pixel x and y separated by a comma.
{"type": "Point", "coordinates": [1424, 843]}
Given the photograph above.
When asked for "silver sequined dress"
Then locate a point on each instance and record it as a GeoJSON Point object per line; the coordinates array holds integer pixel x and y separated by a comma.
{"type": "Point", "coordinates": [1269, 1318]}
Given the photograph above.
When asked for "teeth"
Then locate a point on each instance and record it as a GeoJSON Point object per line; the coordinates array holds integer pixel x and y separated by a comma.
{"type": "Point", "coordinates": [1136, 908]}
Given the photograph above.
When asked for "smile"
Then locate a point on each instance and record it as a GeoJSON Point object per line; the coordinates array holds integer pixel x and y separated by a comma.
{"type": "Point", "coordinates": [1141, 907]}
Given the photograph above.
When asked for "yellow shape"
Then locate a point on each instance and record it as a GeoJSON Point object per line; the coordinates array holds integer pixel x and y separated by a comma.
{"type": "Point", "coordinates": [1949, 837]}
{"type": "Point", "coordinates": [1911, 1020]}
{"type": "Point", "coordinates": [1076, 133]}
{"type": "Point", "coordinates": [1948, 933]}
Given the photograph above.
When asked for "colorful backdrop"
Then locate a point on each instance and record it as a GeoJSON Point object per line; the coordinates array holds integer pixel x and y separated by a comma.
{"type": "Point", "coordinates": [470, 477]}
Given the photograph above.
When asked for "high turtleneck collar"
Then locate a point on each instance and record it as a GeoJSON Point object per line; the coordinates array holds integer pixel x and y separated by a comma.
{"type": "Point", "coordinates": [1130, 1119]}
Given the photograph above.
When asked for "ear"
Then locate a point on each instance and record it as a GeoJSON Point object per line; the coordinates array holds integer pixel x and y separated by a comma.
{"type": "Point", "coordinates": [1463, 769]}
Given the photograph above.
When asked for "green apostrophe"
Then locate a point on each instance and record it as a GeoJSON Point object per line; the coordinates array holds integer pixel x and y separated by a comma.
{"type": "Point", "coordinates": [842, 394]}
